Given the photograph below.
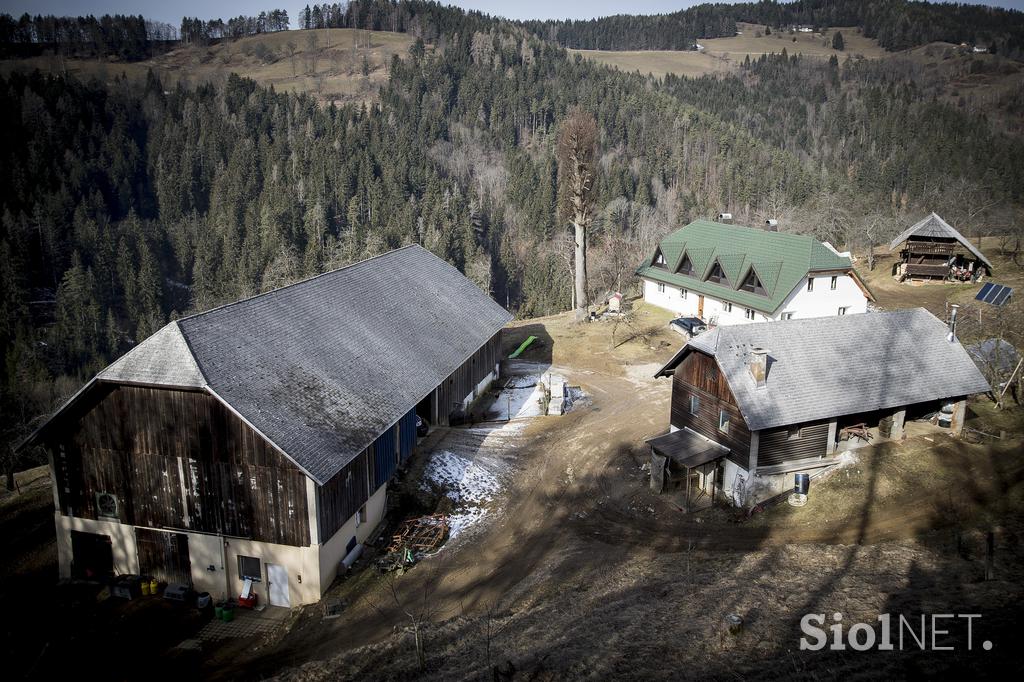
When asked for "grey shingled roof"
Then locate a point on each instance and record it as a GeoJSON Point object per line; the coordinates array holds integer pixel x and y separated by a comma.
{"type": "Point", "coordinates": [163, 359]}
{"type": "Point", "coordinates": [830, 366]}
{"type": "Point", "coordinates": [934, 226]}
{"type": "Point", "coordinates": [321, 368]}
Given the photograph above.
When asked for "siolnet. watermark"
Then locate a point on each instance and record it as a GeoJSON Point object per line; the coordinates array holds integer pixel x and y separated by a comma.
{"type": "Point", "coordinates": [934, 632]}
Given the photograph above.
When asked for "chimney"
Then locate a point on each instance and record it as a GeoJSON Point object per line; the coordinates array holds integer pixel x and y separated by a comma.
{"type": "Point", "coordinates": [758, 361]}
{"type": "Point", "coordinates": [725, 217]}
{"type": "Point", "coordinates": [951, 337]}
{"type": "Point", "coordinates": [772, 225]}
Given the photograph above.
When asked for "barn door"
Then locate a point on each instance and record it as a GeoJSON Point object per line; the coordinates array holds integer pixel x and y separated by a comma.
{"type": "Point", "coordinates": [164, 556]}
{"type": "Point", "coordinates": [92, 556]}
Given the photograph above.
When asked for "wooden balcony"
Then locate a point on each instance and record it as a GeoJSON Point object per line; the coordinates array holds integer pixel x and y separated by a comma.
{"type": "Point", "coordinates": [930, 248]}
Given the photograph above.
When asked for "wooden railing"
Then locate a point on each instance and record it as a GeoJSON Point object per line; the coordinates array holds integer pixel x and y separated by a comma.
{"type": "Point", "coordinates": [931, 248]}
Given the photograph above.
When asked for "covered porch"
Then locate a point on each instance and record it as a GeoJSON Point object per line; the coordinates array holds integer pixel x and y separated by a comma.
{"type": "Point", "coordinates": [689, 464]}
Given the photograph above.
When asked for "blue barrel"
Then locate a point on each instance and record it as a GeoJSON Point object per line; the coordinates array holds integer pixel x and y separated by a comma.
{"type": "Point", "coordinates": [801, 483]}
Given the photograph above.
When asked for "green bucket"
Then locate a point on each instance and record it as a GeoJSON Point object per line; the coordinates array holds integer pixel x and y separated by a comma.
{"type": "Point", "coordinates": [218, 612]}
{"type": "Point", "coordinates": [228, 615]}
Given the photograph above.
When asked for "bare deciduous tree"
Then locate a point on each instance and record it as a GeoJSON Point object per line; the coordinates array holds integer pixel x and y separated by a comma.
{"type": "Point", "coordinates": [577, 144]}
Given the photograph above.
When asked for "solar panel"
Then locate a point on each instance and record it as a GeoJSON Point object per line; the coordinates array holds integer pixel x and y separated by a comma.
{"type": "Point", "coordinates": [995, 294]}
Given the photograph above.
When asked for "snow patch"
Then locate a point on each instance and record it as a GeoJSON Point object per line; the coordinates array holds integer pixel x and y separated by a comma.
{"type": "Point", "coordinates": [467, 483]}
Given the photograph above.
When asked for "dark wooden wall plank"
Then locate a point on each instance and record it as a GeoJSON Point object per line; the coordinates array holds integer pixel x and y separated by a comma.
{"type": "Point", "coordinates": [698, 374]}
{"type": "Point", "coordinates": [127, 441]}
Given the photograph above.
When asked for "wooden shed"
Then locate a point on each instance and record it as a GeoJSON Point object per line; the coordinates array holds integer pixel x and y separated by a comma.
{"type": "Point", "coordinates": [933, 249]}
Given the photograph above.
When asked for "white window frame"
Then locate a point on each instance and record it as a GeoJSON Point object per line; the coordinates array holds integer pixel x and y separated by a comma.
{"type": "Point", "coordinates": [682, 294]}
{"type": "Point", "coordinates": [749, 313]}
{"type": "Point", "coordinates": [694, 404]}
{"type": "Point", "coordinates": [810, 284]}
{"type": "Point", "coordinates": [787, 316]}
{"type": "Point", "coordinates": [834, 283]}
{"type": "Point", "coordinates": [842, 310]}
{"type": "Point", "coordinates": [726, 307]}
{"type": "Point", "coordinates": [661, 288]}
{"type": "Point", "coordinates": [723, 421]}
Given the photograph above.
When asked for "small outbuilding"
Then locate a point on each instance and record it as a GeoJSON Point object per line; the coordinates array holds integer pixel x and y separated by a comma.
{"type": "Point", "coordinates": [933, 250]}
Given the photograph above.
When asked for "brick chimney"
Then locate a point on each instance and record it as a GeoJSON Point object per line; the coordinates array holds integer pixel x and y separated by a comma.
{"type": "Point", "coordinates": [758, 363]}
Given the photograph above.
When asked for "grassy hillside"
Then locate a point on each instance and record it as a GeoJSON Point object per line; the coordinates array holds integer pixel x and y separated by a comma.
{"type": "Point", "coordinates": [725, 54]}
{"type": "Point", "coordinates": [328, 63]}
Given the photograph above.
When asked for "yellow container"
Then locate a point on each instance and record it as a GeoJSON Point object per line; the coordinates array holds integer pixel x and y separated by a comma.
{"type": "Point", "coordinates": [145, 588]}
{"type": "Point", "coordinates": [153, 585]}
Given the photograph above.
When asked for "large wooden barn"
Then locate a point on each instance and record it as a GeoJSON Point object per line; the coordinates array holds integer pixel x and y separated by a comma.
{"type": "Point", "coordinates": [257, 439]}
{"type": "Point", "coordinates": [754, 404]}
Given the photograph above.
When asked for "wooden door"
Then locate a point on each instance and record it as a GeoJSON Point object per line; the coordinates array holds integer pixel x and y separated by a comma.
{"type": "Point", "coordinates": [277, 585]}
{"type": "Point", "coordinates": [700, 306]}
{"type": "Point", "coordinates": [164, 556]}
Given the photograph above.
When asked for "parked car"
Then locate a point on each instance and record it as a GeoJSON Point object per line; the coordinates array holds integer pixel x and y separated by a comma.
{"type": "Point", "coordinates": [688, 326]}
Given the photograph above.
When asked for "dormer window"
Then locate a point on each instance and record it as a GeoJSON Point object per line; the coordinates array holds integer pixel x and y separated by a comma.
{"type": "Point", "coordinates": [753, 284]}
{"type": "Point", "coordinates": [659, 259]}
{"type": "Point", "coordinates": [718, 275]}
{"type": "Point", "coordinates": [686, 267]}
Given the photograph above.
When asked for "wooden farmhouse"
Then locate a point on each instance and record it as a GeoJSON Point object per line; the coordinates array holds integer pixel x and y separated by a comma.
{"type": "Point", "coordinates": [728, 274]}
{"type": "Point", "coordinates": [257, 439]}
{"type": "Point", "coordinates": [933, 249]}
{"type": "Point", "coordinates": [754, 404]}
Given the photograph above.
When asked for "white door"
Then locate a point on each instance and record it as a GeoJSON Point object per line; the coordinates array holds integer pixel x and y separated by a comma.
{"type": "Point", "coordinates": [277, 585]}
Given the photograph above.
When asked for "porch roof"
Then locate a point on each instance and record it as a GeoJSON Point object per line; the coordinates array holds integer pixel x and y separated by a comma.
{"type": "Point", "coordinates": [687, 449]}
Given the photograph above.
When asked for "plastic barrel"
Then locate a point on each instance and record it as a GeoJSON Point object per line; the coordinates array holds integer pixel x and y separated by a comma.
{"type": "Point", "coordinates": [227, 615]}
{"type": "Point", "coordinates": [801, 484]}
{"type": "Point", "coordinates": [153, 586]}
{"type": "Point", "coordinates": [145, 588]}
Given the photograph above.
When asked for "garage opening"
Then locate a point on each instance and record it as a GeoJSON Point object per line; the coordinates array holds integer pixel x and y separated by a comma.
{"type": "Point", "coordinates": [425, 408]}
{"type": "Point", "coordinates": [92, 556]}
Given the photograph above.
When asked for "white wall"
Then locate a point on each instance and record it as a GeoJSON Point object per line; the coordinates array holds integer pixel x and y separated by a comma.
{"type": "Point", "coordinates": [333, 551]}
{"type": "Point", "coordinates": [822, 302]}
{"type": "Point", "coordinates": [122, 539]}
{"type": "Point", "coordinates": [204, 551]}
{"type": "Point", "coordinates": [714, 309]}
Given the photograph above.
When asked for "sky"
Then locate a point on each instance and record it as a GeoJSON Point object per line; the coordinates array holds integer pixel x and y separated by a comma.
{"type": "Point", "coordinates": [172, 12]}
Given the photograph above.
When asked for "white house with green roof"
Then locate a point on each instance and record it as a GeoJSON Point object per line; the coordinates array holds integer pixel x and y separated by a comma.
{"type": "Point", "coordinates": [730, 274]}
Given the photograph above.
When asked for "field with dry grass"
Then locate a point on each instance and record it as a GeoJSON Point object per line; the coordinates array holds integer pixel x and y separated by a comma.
{"type": "Point", "coordinates": [723, 55]}
{"type": "Point", "coordinates": [334, 65]}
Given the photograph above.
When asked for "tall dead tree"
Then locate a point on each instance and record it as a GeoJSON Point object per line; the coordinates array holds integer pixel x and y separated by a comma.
{"type": "Point", "coordinates": [577, 142]}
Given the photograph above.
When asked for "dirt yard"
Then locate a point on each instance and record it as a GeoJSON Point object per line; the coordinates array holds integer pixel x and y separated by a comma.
{"type": "Point", "coordinates": [566, 566]}
{"type": "Point", "coordinates": [579, 571]}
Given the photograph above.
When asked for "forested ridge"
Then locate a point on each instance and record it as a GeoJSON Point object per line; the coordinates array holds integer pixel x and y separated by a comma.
{"type": "Point", "coordinates": [124, 205]}
{"type": "Point", "coordinates": [896, 24]}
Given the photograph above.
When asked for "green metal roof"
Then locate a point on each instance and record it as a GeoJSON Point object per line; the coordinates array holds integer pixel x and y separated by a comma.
{"type": "Point", "coordinates": [780, 260]}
